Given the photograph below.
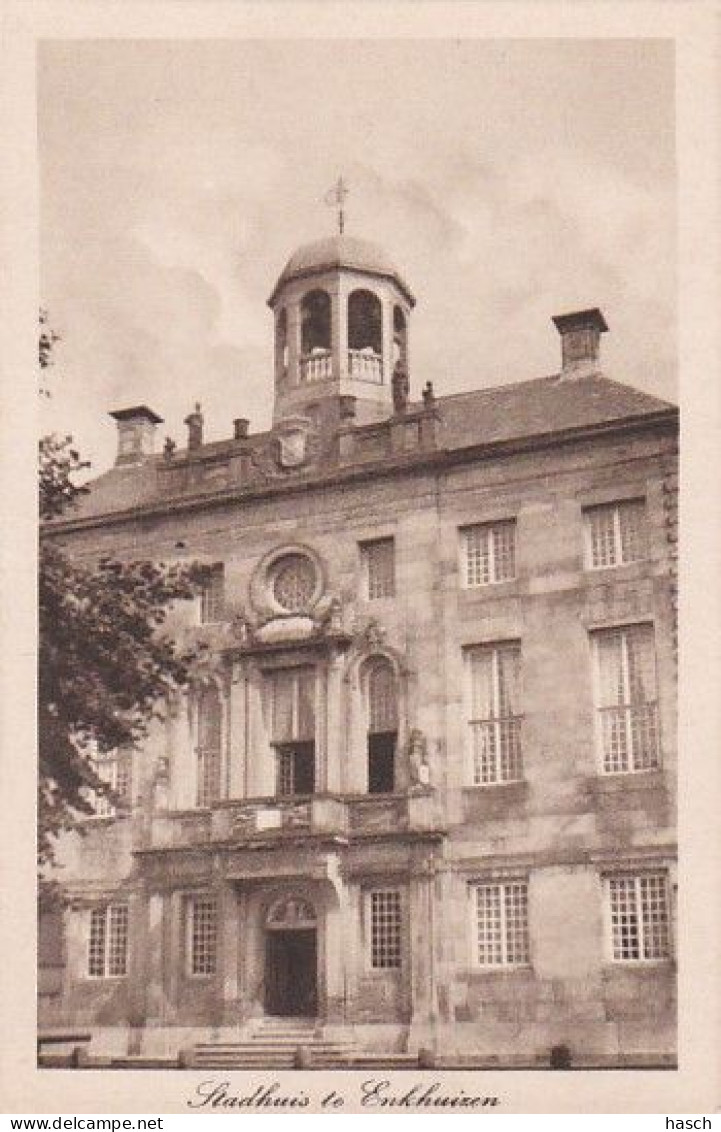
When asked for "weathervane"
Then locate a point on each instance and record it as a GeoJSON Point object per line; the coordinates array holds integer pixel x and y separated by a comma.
{"type": "Point", "coordinates": [336, 197]}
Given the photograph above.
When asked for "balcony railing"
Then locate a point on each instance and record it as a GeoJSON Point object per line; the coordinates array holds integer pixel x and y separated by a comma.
{"type": "Point", "coordinates": [318, 814]}
{"type": "Point", "coordinates": [365, 367]}
{"type": "Point", "coordinates": [629, 735]}
{"type": "Point", "coordinates": [496, 746]}
{"type": "Point", "coordinates": [316, 367]}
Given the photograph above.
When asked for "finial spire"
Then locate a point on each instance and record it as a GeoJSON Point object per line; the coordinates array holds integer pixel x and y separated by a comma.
{"type": "Point", "coordinates": [336, 197]}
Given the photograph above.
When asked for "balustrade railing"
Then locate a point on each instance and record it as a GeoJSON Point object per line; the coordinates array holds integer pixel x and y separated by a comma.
{"type": "Point", "coordinates": [327, 813]}
{"type": "Point", "coordinates": [365, 366]}
{"type": "Point", "coordinates": [316, 367]}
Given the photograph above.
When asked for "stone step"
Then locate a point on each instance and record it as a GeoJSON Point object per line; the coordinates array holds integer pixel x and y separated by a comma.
{"type": "Point", "coordinates": [282, 1047]}
{"type": "Point", "coordinates": [276, 1047]}
{"type": "Point", "coordinates": [250, 1059]}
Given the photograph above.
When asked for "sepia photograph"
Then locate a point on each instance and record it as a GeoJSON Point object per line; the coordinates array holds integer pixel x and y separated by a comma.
{"type": "Point", "coordinates": [359, 625]}
{"type": "Point", "coordinates": [358, 637]}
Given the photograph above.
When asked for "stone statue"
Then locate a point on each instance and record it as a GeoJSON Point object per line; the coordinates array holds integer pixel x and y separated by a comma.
{"type": "Point", "coordinates": [429, 397]}
{"type": "Point", "coordinates": [420, 773]}
{"type": "Point", "coordinates": [401, 387]}
{"type": "Point", "coordinates": [168, 449]}
{"type": "Point", "coordinates": [194, 421]}
{"type": "Point", "coordinates": [242, 627]}
{"type": "Point", "coordinates": [333, 620]}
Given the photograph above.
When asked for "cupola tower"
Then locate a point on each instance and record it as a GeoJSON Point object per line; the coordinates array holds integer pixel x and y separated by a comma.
{"type": "Point", "coordinates": [341, 312]}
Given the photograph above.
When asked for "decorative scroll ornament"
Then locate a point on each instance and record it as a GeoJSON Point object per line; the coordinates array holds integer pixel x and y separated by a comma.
{"type": "Point", "coordinates": [291, 913]}
{"type": "Point", "coordinates": [371, 636]}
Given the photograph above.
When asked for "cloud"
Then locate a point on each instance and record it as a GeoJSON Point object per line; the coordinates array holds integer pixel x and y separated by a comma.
{"type": "Point", "coordinates": [172, 199]}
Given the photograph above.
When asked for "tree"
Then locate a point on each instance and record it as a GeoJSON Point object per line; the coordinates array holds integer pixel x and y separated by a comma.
{"type": "Point", "coordinates": [106, 666]}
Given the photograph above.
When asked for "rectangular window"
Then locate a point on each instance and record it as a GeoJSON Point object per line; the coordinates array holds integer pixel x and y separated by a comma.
{"type": "Point", "coordinates": [108, 941]}
{"type": "Point", "coordinates": [202, 935]}
{"type": "Point", "coordinates": [209, 750]}
{"type": "Point", "coordinates": [615, 533]}
{"type": "Point", "coordinates": [495, 718]}
{"type": "Point", "coordinates": [292, 694]}
{"type": "Point", "coordinates": [489, 553]}
{"type": "Point", "coordinates": [501, 924]}
{"type": "Point", "coordinates": [385, 929]}
{"type": "Point", "coordinates": [116, 769]}
{"type": "Point", "coordinates": [212, 596]}
{"type": "Point", "coordinates": [639, 917]}
{"type": "Point", "coordinates": [627, 709]}
{"type": "Point", "coordinates": [379, 568]}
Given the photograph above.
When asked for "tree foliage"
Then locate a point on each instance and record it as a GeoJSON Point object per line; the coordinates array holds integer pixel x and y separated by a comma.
{"type": "Point", "coordinates": [106, 662]}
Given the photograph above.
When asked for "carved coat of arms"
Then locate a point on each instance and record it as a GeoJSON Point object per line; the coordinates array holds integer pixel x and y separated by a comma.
{"type": "Point", "coordinates": [292, 447]}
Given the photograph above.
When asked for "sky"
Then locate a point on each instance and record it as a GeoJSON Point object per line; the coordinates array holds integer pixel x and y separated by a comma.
{"type": "Point", "coordinates": [509, 181]}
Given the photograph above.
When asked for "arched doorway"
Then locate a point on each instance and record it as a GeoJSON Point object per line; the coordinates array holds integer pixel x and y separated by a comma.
{"type": "Point", "coordinates": [291, 958]}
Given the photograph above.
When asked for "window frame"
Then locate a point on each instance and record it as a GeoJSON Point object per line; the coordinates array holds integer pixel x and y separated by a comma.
{"type": "Point", "coordinates": [367, 547]}
{"type": "Point", "coordinates": [637, 876]}
{"type": "Point", "coordinates": [211, 601]}
{"type": "Point", "coordinates": [109, 910]}
{"type": "Point", "coordinates": [201, 801]}
{"type": "Point", "coordinates": [504, 884]}
{"type": "Point", "coordinates": [192, 902]}
{"type": "Point", "coordinates": [497, 721]}
{"type": "Point", "coordinates": [614, 507]}
{"type": "Point", "coordinates": [107, 766]}
{"type": "Point", "coordinates": [399, 929]}
{"type": "Point", "coordinates": [296, 746]}
{"type": "Point", "coordinates": [595, 634]}
{"type": "Point", "coordinates": [491, 527]}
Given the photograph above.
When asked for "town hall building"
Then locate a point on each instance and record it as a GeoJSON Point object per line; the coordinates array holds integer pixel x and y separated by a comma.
{"type": "Point", "coordinates": [420, 799]}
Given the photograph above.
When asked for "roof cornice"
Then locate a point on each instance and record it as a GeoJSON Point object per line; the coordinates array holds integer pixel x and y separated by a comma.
{"type": "Point", "coordinates": [427, 460]}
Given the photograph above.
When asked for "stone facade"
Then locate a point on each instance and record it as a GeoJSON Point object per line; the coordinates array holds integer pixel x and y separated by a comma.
{"type": "Point", "coordinates": [470, 917]}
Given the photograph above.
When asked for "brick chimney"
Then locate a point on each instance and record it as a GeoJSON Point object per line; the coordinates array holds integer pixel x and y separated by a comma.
{"type": "Point", "coordinates": [580, 341]}
{"type": "Point", "coordinates": [136, 433]}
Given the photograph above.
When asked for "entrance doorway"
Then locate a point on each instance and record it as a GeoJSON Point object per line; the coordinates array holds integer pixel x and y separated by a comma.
{"type": "Point", "coordinates": [291, 959]}
{"type": "Point", "coordinates": [291, 973]}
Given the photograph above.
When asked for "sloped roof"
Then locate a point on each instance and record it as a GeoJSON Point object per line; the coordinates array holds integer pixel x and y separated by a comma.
{"type": "Point", "coordinates": [540, 406]}
{"type": "Point", "coordinates": [504, 413]}
{"type": "Point", "coordinates": [337, 252]}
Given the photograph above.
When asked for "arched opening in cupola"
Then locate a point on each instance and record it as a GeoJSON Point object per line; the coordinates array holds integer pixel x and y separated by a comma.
{"type": "Point", "coordinates": [365, 336]}
{"type": "Point", "coordinates": [400, 339]}
{"type": "Point", "coordinates": [281, 344]}
{"type": "Point", "coordinates": [315, 336]}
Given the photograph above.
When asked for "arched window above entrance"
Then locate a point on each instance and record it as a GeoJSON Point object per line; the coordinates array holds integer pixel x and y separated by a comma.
{"type": "Point", "coordinates": [381, 699]}
{"type": "Point", "coordinates": [290, 913]}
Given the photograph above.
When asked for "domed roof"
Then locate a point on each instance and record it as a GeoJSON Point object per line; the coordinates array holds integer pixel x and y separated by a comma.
{"type": "Point", "coordinates": [340, 251]}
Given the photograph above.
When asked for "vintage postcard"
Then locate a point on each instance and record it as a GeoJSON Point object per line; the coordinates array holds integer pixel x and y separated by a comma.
{"type": "Point", "coordinates": [374, 656]}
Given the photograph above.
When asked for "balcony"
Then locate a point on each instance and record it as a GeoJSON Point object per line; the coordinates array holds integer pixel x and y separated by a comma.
{"type": "Point", "coordinates": [266, 818]}
{"type": "Point", "coordinates": [365, 366]}
{"type": "Point", "coordinates": [316, 367]}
